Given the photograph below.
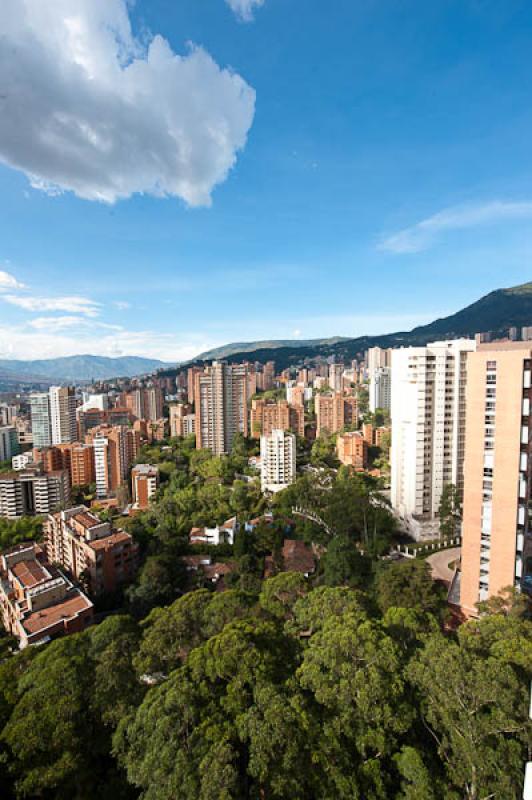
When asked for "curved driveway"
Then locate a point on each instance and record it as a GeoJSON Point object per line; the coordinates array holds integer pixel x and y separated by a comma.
{"type": "Point", "coordinates": [439, 564]}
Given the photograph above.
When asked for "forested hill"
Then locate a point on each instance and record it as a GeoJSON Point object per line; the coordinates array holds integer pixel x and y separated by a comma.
{"type": "Point", "coordinates": [496, 312]}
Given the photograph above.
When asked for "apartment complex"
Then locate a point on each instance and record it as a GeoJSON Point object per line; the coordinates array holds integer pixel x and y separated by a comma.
{"type": "Point", "coordinates": [90, 550]}
{"type": "Point", "coordinates": [41, 423]}
{"type": "Point", "coordinates": [9, 445]}
{"type": "Point", "coordinates": [497, 533]}
{"type": "Point", "coordinates": [76, 458]}
{"type": "Point", "coordinates": [115, 449]}
{"type": "Point", "coordinates": [336, 372]}
{"type": "Point", "coordinates": [32, 491]}
{"type": "Point", "coordinates": [277, 460]}
{"type": "Point", "coordinates": [352, 450]}
{"type": "Point", "coordinates": [8, 414]}
{"type": "Point", "coordinates": [221, 397]}
{"type": "Point", "coordinates": [335, 411]}
{"type": "Point", "coordinates": [37, 602]}
{"type": "Point", "coordinates": [428, 429]}
{"type": "Point", "coordinates": [93, 417]}
{"type": "Point", "coordinates": [266, 417]}
{"type": "Point", "coordinates": [378, 358]}
{"type": "Point", "coordinates": [182, 419]}
{"type": "Point", "coordinates": [380, 389]}
{"type": "Point", "coordinates": [53, 416]}
{"type": "Point", "coordinates": [145, 403]}
{"type": "Point", "coordinates": [63, 414]}
{"type": "Point", "coordinates": [144, 484]}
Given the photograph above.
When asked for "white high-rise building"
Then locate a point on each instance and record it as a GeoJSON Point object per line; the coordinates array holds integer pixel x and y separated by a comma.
{"type": "Point", "coordinates": [336, 373]}
{"type": "Point", "coordinates": [63, 414]}
{"type": "Point", "coordinates": [7, 414]}
{"type": "Point", "coordinates": [428, 428]}
{"type": "Point", "coordinates": [41, 424]}
{"type": "Point", "coordinates": [277, 460]}
{"type": "Point", "coordinates": [376, 358]}
{"type": "Point", "coordinates": [380, 389]}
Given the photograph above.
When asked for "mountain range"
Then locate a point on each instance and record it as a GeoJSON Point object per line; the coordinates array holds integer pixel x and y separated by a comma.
{"type": "Point", "coordinates": [75, 368]}
{"type": "Point", "coordinates": [496, 312]}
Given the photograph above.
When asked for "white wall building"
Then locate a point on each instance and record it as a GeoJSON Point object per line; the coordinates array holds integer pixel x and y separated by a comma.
{"type": "Point", "coordinates": [63, 414]}
{"type": "Point", "coordinates": [277, 460]}
{"type": "Point", "coordinates": [41, 424]}
{"type": "Point", "coordinates": [428, 424]}
{"type": "Point", "coordinates": [9, 446]}
{"type": "Point", "coordinates": [21, 461]}
{"type": "Point", "coordinates": [380, 389]}
{"type": "Point", "coordinates": [7, 414]}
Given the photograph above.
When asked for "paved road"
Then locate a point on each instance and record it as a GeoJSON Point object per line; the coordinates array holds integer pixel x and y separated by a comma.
{"type": "Point", "coordinates": [439, 564]}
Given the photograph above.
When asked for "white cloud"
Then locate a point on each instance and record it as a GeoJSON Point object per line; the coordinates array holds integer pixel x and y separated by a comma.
{"type": "Point", "coordinates": [52, 324]}
{"type": "Point", "coordinates": [21, 342]}
{"type": "Point", "coordinates": [244, 8]}
{"type": "Point", "coordinates": [422, 235]}
{"type": "Point", "coordinates": [74, 304]}
{"type": "Point", "coordinates": [9, 282]}
{"type": "Point", "coordinates": [86, 107]}
{"type": "Point", "coordinates": [121, 305]}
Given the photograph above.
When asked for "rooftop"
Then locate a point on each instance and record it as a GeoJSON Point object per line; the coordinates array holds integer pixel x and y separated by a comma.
{"type": "Point", "coordinates": [66, 609]}
{"type": "Point", "coordinates": [87, 519]}
{"type": "Point", "coordinates": [30, 573]}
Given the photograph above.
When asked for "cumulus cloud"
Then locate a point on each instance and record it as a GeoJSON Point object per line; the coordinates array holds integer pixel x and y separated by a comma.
{"type": "Point", "coordinates": [244, 8]}
{"type": "Point", "coordinates": [9, 282]}
{"type": "Point", "coordinates": [86, 107]}
{"type": "Point", "coordinates": [423, 234]}
{"type": "Point", "coordinates": [74, 304]}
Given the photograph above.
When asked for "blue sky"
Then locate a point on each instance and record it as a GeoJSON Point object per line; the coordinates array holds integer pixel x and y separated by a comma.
{"type": "Point", "coordinates": [381, 170]}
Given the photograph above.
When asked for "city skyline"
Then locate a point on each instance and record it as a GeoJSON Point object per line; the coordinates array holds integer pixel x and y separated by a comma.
{"type": "Point", "coordinates": [334, 171]}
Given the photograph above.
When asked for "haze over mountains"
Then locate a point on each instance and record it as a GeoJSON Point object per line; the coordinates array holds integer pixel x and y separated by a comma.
{"type": "Point", "coordinates": [496, 312]}
{"type": "Point", "coordinates": [78, 368]}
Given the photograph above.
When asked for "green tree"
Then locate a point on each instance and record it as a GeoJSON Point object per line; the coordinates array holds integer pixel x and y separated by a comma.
{"type": "Point", "coordinates": [279, 593]}
{"type": "Point", "coordinates": [52, 724]}
{"type": "Point", "coordinates": [409, 584]}
{"type": "Point", "coordinates": [450, 511]}
{"type": "Point", "coordinates": [475, 707]}
{"type": "Point", "coordinates": [344, 565]}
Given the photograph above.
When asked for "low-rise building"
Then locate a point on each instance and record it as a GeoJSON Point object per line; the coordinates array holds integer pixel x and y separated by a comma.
{"type": "Point", "coordinates": [144, 484]}
{"type": "Point", "coordinates": [352, 450]}
{"type": "Point", "coordinates": [220, 534]}
{"type": "Point", "coordinates": [38, 602]}
{"type": "Point", "coordinates": [90, 550]}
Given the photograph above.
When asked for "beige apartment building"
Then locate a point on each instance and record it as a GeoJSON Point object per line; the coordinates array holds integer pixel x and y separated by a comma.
{"type": "Point", "coordinates": [266, 417]}
{"type": "Point", "coordinates": [334, 411]}
{"type": "Point", "coordinates": [221, 405]}
{"type": "Point", "coordinates": [144, 484]}
{"type": "Point", "coordinates": [496, 548]}
{"type": "Point", "coordinates": [90, 550]}
{"type": "Point", "coordinates": [352, 450]}
{"type": "Point", "coordinates": [182, 419]}
{"type": "Point", "coordinates": [37, 602]}
{"type": "Point", "coordinates": [115, 449]}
